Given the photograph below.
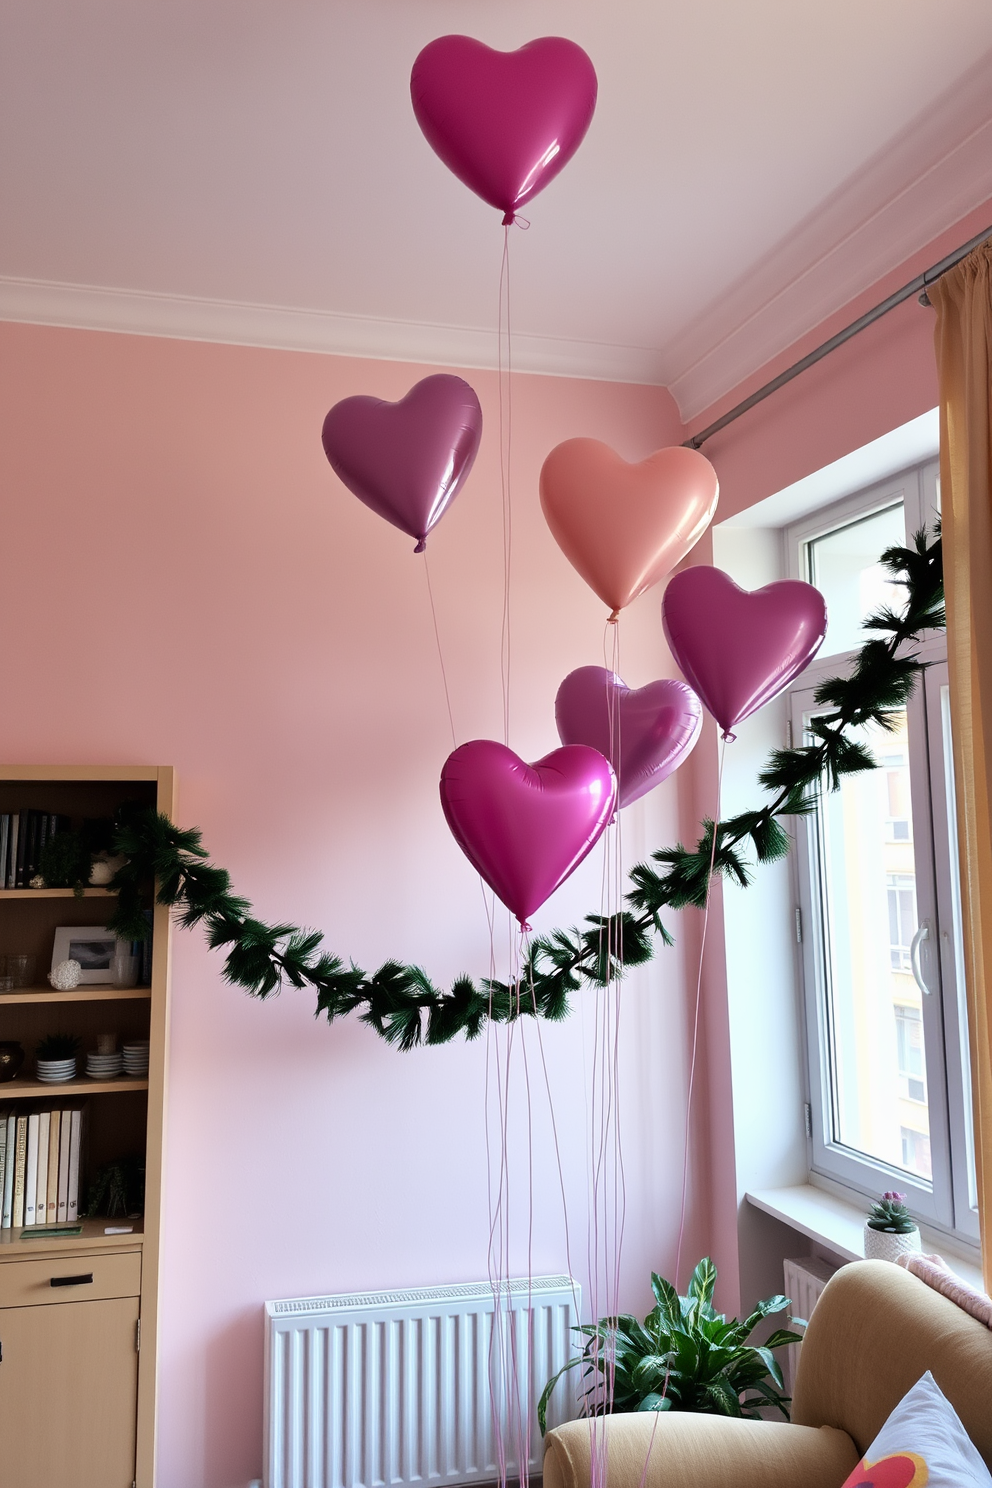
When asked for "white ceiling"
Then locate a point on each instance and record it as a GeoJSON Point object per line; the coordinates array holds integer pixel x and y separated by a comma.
{"type": "Point", "coordinates": [250, 170]}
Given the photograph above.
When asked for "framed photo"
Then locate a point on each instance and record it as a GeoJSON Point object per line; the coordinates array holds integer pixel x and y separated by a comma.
{"type": "Point", "coordinates": [92, 946]}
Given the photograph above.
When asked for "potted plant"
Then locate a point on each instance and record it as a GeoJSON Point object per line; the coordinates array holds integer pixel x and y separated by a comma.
{"type": "Point", "coordinates": [55, 1058]}
{"type": "Point", "coordinates": [684, 1356]}
{"type": "Point", "coordinates": [890, 1228]}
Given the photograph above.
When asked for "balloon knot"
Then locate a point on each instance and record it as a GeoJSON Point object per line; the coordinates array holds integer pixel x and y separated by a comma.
{"type": "Point", "coordinates": [728, 737]}
{"type": "Point", "coordinates": [512, 219]}
{"type": "Point", "coordinates": [525, 927]}
{"type": "Point", "coordinates": [614, 618]}
{"type": "Point", "coordinates": [421, 546]}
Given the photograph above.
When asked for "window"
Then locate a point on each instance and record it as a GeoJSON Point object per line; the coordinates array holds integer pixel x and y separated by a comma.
{"type": "Point", "coordinates": [881, 956]}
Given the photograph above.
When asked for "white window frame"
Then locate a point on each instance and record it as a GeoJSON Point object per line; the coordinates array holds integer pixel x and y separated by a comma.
{"type": "Point", "coordinates": [948, 1202]}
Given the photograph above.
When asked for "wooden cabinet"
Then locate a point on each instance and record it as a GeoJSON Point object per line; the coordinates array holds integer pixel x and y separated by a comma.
{"type": "Point", "coordinates": [77, 1395]}
{"type": "Point", "coordinates": [69, 1371]}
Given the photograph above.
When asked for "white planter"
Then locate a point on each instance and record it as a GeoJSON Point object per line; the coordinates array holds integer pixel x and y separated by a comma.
{"type": "Point", "coordinates": [883, 1245]}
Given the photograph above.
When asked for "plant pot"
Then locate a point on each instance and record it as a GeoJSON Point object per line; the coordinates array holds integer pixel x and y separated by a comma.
{"type": "Point", "coordinates": [884, 1245]}
{"type": "Point", "coordinates": [11, 1059]}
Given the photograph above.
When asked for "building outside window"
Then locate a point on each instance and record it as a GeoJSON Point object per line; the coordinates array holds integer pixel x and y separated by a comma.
{"type": "Point", "coordinates": [886, 1031]}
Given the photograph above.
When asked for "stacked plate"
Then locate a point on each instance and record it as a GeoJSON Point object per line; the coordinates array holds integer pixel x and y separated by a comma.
{"type": "Point", "coordinates": [136, 1059]}
{"type": "Point", "coordinates": [56, 1071]}
{"type": "Point", "coordinates": [104, 1066]}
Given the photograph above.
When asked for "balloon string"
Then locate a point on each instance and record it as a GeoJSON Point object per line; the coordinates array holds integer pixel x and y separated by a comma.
{"type": "Point", "coordinates": [440, 653]}
{"type": "Point", "coordinates": [505, 471]}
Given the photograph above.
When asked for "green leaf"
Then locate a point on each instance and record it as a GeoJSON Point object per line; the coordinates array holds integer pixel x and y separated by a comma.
{"type": "Point", "coordinates": [703, 1281]}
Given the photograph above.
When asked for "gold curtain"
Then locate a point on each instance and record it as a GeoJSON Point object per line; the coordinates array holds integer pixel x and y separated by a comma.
{"type": "Point", "coordinates": [963, 301]}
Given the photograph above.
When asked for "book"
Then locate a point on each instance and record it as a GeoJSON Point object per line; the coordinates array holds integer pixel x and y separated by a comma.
{"type": "Point", "coordinates": [4, 844]}
{"type": "Point", "coordinates": [7, 1207]}
{"type": "Point", "coordinates": [52, 1206]}
{"type": "Point", "coordinates": [20, 1159]}
{"type": "Point", "coordinates": [31, 1168]}
{"type": "Point", "coordinates": [63, 1190]}
{"type": "Point", "coordinates": [41, 1190]}
{"type": "Point", "coordinates": [3, 1155]}
{"type": "Point", "coordinates": [75, 1154]}
{"type": "Point", "coordinates": [15, 826]}
{"type": "Point", "coordinates": [22, 849]}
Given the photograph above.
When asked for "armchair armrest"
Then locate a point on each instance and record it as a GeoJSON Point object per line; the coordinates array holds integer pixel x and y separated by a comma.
{"type": "Point", "coordinates": [696, 1451]}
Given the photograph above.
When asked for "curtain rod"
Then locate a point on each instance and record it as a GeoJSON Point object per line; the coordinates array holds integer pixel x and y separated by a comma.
{"type": "Point", "coordinates": [915, 286]}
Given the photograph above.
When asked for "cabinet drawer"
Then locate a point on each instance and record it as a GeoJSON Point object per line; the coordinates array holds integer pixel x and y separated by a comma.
{"type": "Point", "coordinates": [89, 1278]}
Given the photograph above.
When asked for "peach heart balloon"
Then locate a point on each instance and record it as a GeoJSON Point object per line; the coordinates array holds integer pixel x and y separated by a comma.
{"type": "Point", "coordinates": [624, 527]}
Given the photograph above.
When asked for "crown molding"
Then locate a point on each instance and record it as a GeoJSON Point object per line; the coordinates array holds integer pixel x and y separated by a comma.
{"type": "Point", "coordinates": [929, 178]}
{"type": "Point", "coordinates": [136, 313]}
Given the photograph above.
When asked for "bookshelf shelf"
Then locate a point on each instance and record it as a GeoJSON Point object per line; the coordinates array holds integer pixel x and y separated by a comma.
{"type": "Point", "coordinates": [56, 894]}
{"type": "Point", "coordinates": [76, 994]}
{"type": "Point", "coordinates": [123, 1120]}
{"type": "Point", "coordinates": [27, 1089]}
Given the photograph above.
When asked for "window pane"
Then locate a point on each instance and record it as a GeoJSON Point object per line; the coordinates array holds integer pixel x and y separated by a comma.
{"type": "Point", "coordinates": [844, 567]}
{"type": "Point", "coordinates": [873, 1012]}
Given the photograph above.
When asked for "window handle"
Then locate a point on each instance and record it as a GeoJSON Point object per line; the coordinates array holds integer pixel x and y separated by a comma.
{"type": "Point", "coordinates": [922, 934]}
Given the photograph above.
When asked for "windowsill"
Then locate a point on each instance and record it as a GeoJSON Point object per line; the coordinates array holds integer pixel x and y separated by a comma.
{"type": "Point", "coordinates": [839, 1226]}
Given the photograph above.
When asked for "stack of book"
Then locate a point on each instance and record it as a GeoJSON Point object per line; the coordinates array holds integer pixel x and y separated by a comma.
{"type": "Point", "coordinates": [23, 834]}
{"type": "Point", "coordinates": [40, 1164]}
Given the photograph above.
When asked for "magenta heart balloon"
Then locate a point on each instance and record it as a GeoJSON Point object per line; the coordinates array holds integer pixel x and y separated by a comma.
{"type": "Point", "coordinates": [738, 649]}
{"type": "Point", "coordinates": [645, 732]}
{"type": "Point", "coordinates": [526, 827]}
{"type": "Point", "coordinates": [407, 460]}
{"type": "Point", "coordinates": [504, 122]}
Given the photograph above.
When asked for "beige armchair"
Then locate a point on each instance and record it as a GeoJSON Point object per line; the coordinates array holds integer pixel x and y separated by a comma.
{"type": "Point", "coordinates": [874, 1332]}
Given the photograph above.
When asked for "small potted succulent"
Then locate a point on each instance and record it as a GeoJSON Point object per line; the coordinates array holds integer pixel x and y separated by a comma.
{"type": "Point", "coordinates": [55, 1058]}
{"type": "Point", "coordinates": [890, 1228]}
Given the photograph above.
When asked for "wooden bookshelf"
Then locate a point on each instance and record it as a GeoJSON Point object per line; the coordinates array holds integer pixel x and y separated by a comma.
{"type": "Point", "coordinates": [126, 1115]}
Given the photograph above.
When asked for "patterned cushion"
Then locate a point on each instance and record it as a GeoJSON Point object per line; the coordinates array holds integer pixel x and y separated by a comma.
{"type": "Point", "coordinates": [921, 1445]}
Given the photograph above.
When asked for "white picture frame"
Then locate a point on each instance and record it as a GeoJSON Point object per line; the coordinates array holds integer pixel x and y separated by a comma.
{"type": "Point", "coordinates": [92, 946]}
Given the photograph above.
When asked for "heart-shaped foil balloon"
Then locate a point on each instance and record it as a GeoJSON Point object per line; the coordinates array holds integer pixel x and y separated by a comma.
{"type": "Point", "coordinates": [525, 828]}
{"type": "Point", "coordinates": [505, 123]}
{"type": "Point", "coordinates": [645, 732]}
{"type": "Point", "coordinates": [738, 648]}
{"type": "Point", "coordinates": [407, 460]}
{"type": "Point", "coordinates": [623, 526]}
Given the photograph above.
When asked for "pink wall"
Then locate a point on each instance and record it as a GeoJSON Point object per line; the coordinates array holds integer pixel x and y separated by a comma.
{"type": "Point", "coordinates": [188, 584]}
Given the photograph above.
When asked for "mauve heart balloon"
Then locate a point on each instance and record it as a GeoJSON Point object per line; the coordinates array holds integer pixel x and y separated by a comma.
{"type": "Point", "coordinates": [407, 460]}
{"type": "Point", "coordinates": [644, 732]}
{"type": "Point", "coordinates": [740, 648]}
{"type": "Point", "coordinates": [504, 122]}
{"type": "Point", "coordinates": [526, 827]}
{"type": "Point", "coordinates": [622, 526]}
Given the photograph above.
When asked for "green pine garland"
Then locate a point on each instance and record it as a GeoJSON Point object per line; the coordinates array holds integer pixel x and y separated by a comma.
{"type": "Point", "coordinates": [403, 1005]}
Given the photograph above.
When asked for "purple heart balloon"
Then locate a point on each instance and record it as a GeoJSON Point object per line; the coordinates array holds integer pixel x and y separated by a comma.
{"type": "Point", "coordinates": [407, 460]}
{"type": "Point", "coordinates": [504, 122]}
{"type": "Point", "coordinates": [740, 648]}
{"type": "Point", "coordinates": [645, 732]}
{"type": "Point", "coordinates": [526, 827]}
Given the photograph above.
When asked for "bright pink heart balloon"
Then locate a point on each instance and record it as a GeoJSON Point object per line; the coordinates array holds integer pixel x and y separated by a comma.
{"type": "Point", "coordinates": [645, 732]}
{"type": "Point", "coordinates": [407, 460]}
{"type": "Point", "coordinates": [526, 827]}
{"type": "Point", "coordinates": [740, 648]}
{"type": "Point", "coordinates": [504, 122]}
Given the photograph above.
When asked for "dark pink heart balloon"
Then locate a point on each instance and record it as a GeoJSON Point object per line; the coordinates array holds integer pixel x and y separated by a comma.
{"type": "Point", "coordinates": [740, 648]}
{"type": "Point", "coordinates": [645, 732]}
{"type": "Point", "coordinates": [504, 122]}
{"type": "Point", "coordinates": [407, 460]}
{"type": "Point", "coordinates": [526, 827]}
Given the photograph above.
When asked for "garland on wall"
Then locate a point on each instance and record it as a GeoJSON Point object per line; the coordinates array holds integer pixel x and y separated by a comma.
{"type": "Point", "coordinates": [401, 1002]}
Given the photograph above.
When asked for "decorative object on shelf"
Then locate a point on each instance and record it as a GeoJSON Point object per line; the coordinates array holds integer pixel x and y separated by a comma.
{"type": "Point", "coordinates": [737, 647]}
{"type": "Point", "coordinates": [55, 1058]}
{"type": "Point", "coordinates": [505, 123]}
{"type": "Point", "coordinates": [65, 975]}
{"type": "Point", "coordinates": [124, 964]}
{"type": "Point", "coordinates": [92, 946]}
{"type": "Point", "coordinates": [102, 869]}
{"type": "Point", "coordinates": [118, 1188]}
{"type": "Point", "coordinates": [623, 527]}
{"type": "Point", "coordinates": [106, 1043]}
{"type": "Point", "coordinates": [37, 882]}
{"type": "Point", "coordinates": [644, 732]}
{"type": "Point", "coordinates": [21, 966]}
{"type": "Point", "coordinates": [11, 1059]}
{"type": "Point", "coordinates": [890, 1229]}
{"type": "Point", "coordinates": [407, 461]}
{"type": "Point", "coordinates": [402, 1004]}
{"type": "Point", "coordinates": [685, 1357]}
{"type": "Point", "coordinates": [526, 828]}
{"type": "Point", "coordinates": [65, 861]}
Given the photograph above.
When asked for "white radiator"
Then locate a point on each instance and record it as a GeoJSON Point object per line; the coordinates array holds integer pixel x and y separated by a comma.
{"type": "Point", "coordinates": [398, 1388]}
{"type": "Point", "coordinates": [805, 1279]}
